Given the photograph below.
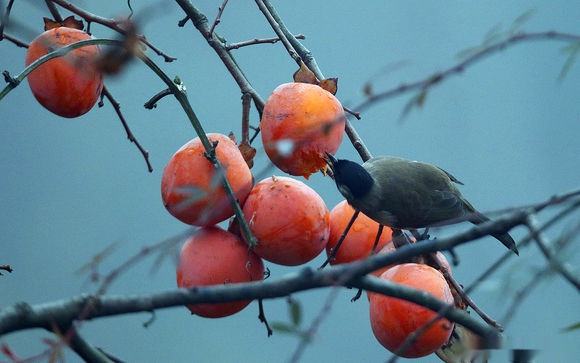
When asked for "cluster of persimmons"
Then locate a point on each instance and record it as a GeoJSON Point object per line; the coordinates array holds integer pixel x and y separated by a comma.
{"type": "Point", "coordinates": [290, 221]}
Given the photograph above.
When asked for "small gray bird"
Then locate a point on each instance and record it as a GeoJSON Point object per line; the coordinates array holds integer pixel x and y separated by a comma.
{"type": "Point", "coordinates": [405, 194]}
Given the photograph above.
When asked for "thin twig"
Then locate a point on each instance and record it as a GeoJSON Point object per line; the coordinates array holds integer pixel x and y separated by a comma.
{"type": "Point", "coordinates": [218, 18]}
{"type": "Point", "coordinates": [255, 41]}
{"type": "Point", "coordinates": [53, 11]}
{"type": "Point", "coordinates": [6, 268]}
{"type": "Point", "coordinates": [262, 317]}
{"type": "Point", "coordinates": [246, 98]}
{"type": "Point", "coordinates": [84, 350]}
{"type": "Point", "coordinates": [130, 135]}
{"type": "Point", "coordinates": [277, 29]}
{"type": "Point", "coordinates": [152, 103]}
{"type": "Point", "coordinates": [526, 240]}
{"type": "Point", "coordinates": [439, 77]}
{"type": "Point", "coordinates": [335, 249]}
{"type": "Point", "coordinates": [315, 325]}
{"type": "Point", "coordinates": [109, 23]}
{"type": "Point", "coordinates": [5, 18]}
{"type": "Point", "coordinates": [542, 244]}
{"type": "Point", "coordinates": [16, 41]}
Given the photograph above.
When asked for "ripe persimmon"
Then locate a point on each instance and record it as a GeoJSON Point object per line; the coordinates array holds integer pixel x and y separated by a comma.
{"type": "Point", "coordinates": [68, 86]}
{"type": "Point", "coordinates": [192, 190]}
{"type": "Point", "coordinates": [360, 239]}
{"type": "Point", "coordinates": [299, 124]}
{"type": "Point", "coordinates": [393, 319]}
{"type": "Point", "coordinates": [213, 256]}
{"type": "Point", "coordinates": [289, 220]}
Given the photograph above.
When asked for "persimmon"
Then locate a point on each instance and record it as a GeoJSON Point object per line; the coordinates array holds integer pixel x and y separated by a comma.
{"type": "Point", "coordinates": [213, 256]}
{"type": "Point", "coordinates": [393, 319]}
{"type": "Point", "coordinates": [360, 239]}
{"type": "Point", "coordinates": [68, 86]}
{"type": "Point", "coordinates": [289, 220]}
{"type": "Point", "coordinates": [192, 190]}
{"type": "Point", "coordinates": [299, 124]}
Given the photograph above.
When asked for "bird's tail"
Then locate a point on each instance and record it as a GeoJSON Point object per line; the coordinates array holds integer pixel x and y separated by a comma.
{"type": "Point", "coordinates": [507, 240]}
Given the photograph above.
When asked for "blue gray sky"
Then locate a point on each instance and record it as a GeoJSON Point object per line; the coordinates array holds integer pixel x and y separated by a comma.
{"type": "Point", "coordinates": [506, 127]}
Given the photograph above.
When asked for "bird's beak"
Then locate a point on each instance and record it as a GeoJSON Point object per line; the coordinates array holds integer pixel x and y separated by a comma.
{"type": "Point", "coordinates": [330, 160]}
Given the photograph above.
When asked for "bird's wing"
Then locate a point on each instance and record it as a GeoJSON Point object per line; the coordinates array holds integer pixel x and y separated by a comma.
{"type": "Point", "coordinates": [453, 178]}
{"type": "Point", "coordinates": [443, 207]}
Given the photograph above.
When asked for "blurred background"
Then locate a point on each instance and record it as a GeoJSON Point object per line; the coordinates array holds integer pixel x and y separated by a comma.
{"type": "Point", "coordinates": [507, 127]}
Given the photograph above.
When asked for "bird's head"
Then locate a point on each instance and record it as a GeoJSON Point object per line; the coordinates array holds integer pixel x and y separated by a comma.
{"type": "Point", "coordinates": [352, 180]}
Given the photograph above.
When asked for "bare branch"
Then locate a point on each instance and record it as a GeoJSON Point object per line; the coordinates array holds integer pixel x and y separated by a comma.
{"type": "Point", "coordinates": [6, 268]}
{"type": "Point", "coordinates": [335, 249]}
{"type": "Point", "coordinates": [5, 18]}
{"type": "Point", "coordinates": [152, 103]}
{"type": "Point", "coordinates": [109, 23]}
{"type": "Point", "coordinates": [218, 18]}
{"type": "Point", "coordinates": [542, 243]}
{"type": "Point", "coordinates": [84, 350]}
{"type": "Point", "coordinates": [199, 20]}
{"type": "Point", "coordinates": [53, 11]}
{"type": "Point", "coordinates": [181, 97]}
{"type": "Point", "coordinates": [255, 41]}
{"type": "Point", "coordinates": [130, 135]}
{"type": "Point", "coordinates": [262, 317]}
{"type": "Point", "coordinates": [16, 41]}
{"type": "Point", "coordinates": [460, 67]}
{"type": "Point", "coordinates": [276, 26]}
{"type": "Point", "coordinates": [310, 62]}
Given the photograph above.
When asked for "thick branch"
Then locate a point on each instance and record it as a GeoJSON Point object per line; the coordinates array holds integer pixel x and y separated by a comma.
{"type": "Point", "coordinates": [23, 316]}
{"type": "Point", "coordinates": [440, 76]}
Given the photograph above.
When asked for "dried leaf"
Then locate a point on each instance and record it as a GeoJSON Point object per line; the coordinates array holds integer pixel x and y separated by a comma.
{"type": "Point", "coordinates": [50, 24]}
{"type": "Point", "coordinates": [573, 50]}
{"type": "Point", "coordinates": [248, 153]}
{"type": "Point", "coordinates": [330, 85]}
{"type": "Point", "coordinates": [295, 310]}
{"type": "Point", "coordinates": [283, 328]}
{"type": "Point", "coordinates": [305, 75]}
{"type": "Point", "coordinates": [69, 22]}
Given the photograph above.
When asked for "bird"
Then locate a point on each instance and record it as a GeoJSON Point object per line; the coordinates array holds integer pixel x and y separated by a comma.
{"type": "Point", "coordinates": [406, 194]}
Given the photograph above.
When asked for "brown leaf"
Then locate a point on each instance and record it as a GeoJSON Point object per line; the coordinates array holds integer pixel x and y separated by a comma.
{"type": "Point", "coordinates": [305, 75]}
{"type": "Point", "coordinates": [50, 24]}
{"type": "Point", "coordinates": [69, 22]}
{"type": "Point", "coordinates": [330, 85]}
{"type": "Point", "coordinates": [248, 153]}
